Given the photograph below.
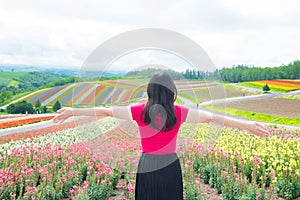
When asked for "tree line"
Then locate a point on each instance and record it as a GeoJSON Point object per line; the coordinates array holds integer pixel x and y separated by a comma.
{"type": "Point", "coordinates": [243, 73]}
{"type": "Point", "coordinates": [147, 73]}
{"type": "Point", "coordinates": [197, 74]}
{"type": "Point", "coordinates": [24, 107]}
{"type": "Point", "coordinates": [239, 73]}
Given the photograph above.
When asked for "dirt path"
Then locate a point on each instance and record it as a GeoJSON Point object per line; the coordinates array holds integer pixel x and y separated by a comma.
{"type": "Point", "coordinates": [208, 193]}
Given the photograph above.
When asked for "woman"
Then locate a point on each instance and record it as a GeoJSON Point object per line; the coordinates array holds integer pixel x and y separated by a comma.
{"type": "Point", "coordinates": [159, 174]}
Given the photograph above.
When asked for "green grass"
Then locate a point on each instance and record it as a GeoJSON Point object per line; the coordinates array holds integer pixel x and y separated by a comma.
{"type": "Point", "coordinates": [136, 79]}
{"type": "Point", "coordinates": [4, 81]}
{"type": "Point", "coordinates": [192, 99]}
{"type": "Point", "coordinates": [240, 89]}
{"type": "Point", "coordinates": [13, 83]}
{"type": "Point", "coordinates": [15, 97]}
{"type": "Point", "coordinates": [179, 101]}
{"type": "Point", "coordinates": [3, 113]}
{"type": "Point", "coordinates": [10, 75]}
{"type": "Point", "coordinates": [256, 116]}
{"type": "Point", "coordinates": [6, 77]}
{"type": "Point", "coordinates": [291, 97]}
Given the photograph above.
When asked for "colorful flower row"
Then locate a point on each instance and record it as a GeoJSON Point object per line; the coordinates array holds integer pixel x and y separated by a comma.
{"type": "Point", "coordinates": [62, 134]}
{"type": "Point", "coordinates": [20, 122]}
{"type": "Point", "coordinates": [287, 85]}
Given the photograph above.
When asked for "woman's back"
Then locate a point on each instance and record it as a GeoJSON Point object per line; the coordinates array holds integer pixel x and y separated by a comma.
{"type": "Point", "coordinates": [155, 141]}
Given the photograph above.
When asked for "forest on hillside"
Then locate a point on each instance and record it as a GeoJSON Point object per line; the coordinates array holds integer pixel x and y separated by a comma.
{"type": "Point", "coordinates": [243, 73]}
{"type": "Point", "coordinates": [28, 82]}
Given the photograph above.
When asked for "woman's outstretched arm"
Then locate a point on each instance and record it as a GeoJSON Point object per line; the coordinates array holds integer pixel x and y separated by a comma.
{"type": "Point", "coordinates": [200, 116]}
{"type": "Point", "coordinates": [122, 112]}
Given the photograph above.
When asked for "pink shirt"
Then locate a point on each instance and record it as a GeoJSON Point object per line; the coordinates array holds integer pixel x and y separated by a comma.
{"type": "Point", "coordinates": [156, 142]}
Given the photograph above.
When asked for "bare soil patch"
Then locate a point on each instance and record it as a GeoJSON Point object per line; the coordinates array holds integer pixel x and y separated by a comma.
{"type": "Point", "coordinates": [215, 92]}
{"type": "Point", "coordinates": [275, 107]}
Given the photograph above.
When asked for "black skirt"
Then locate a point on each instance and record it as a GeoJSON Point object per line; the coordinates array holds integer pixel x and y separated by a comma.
{"type": "Point", "coordinates": [159, 177]}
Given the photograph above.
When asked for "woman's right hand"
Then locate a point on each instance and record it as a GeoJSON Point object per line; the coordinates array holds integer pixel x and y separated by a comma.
{"type": "Point", "coordinates": [63, 114]}
{"type": "Point", "coordinates": [258, 129]}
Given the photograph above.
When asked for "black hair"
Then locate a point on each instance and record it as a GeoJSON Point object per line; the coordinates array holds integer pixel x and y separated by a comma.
{"type": "Point", "coordinates": [162, 94]}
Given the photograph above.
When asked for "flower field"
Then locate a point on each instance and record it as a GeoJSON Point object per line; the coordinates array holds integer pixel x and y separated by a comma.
{"type": "Point", "coordinates": [89, 161]}
{"type": "Point", "coordinates": [284, 85]}
{"type": "Point", "coordinates": [105, 92]}
{"type": "Point", "coordinates": [88, 93]}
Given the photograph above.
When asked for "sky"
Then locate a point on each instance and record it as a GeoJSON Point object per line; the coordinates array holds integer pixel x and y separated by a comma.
{"type": "Point", "coordinates": [63, 33]}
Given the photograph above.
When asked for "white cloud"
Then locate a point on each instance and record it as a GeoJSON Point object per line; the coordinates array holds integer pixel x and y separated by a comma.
{"type": "Point", "coordinates": [264, 33]}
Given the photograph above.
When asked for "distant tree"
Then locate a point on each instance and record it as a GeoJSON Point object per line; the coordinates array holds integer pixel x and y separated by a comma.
{"type": "Point", "coordinates": [38, 105]}
{"type": "Point", "coordinates": [56, 106]}
{"type": "Point", "coordinates": [24, 107]}
{"type": "Point", "coordinates": [10, 109]}
{"type": "Point", "coordinates": [44, 109]}
{"type": "Point", "coordinates": [266, 88]}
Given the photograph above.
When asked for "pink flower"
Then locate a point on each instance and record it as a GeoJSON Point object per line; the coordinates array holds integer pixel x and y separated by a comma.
{"type": "Point", "coordinates": [256, 160]}
{"type": "Point", "coordinates": [223, 173]}
{"type": "Point", "coordinates": [258, 196]}
{"type": "Point", "coordinates": [70, 175]}
{"type": "Point", "coordinates": [233, 168]}
{"type": "Point", "coordinates": [188, 162]}
{"type": "Point", "coordinates": [240, 158]}
{"type": "Point", "coordinates": [130, 188]}
{"type": "Point", "coordinates": [29, 172]}
{"type": "Point", "coordinates": [75, 188]}
{"type": "Point", "coordinates": [71, 192]}
{"type": "Point", "coordinates": [236, 175]}
{"type": "Point", "coordinates": [63, 179]}
{"type": "Point", "coordinates": [85, 185]}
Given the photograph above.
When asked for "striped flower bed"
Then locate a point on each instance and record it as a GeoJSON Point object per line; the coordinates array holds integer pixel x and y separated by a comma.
{"type": "Point", "coordinates": [286, 85]}
{"type": "Point", "coordinates": [85, 94]}
{"type": "Point", "coordinates": [108, 92]}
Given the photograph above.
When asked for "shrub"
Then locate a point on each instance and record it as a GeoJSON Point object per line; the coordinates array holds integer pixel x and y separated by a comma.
{"type": "Point", "coordinates": [288, 188]}
{"type": "Point", "coordinates": [191, 193]}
